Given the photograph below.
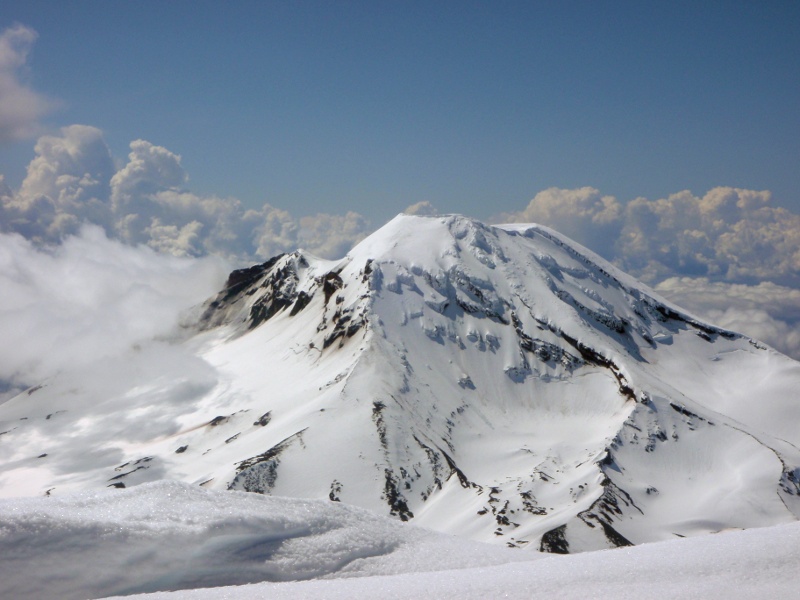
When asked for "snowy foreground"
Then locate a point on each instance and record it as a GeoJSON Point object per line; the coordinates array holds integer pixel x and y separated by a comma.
{"type": "Point", "coordinates": [174, 536]}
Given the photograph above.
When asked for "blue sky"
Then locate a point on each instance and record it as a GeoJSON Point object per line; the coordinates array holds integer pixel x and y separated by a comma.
{"type": "Point", "coordinates": [473, 106]}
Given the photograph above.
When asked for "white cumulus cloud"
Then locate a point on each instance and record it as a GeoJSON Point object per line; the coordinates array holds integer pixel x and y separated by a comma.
{"type": "Point", "coordinates": [73, 181]}
{"type": "Point", "coordinates": [583, 214]}
{"type": "Point", "coordinates": [20, 106]}
{"type": "Point", "coordinates": [67, 184]}
{"type": "Point", "coordinates": [730, 234]}
{"type": "Point", "coordinates": [730, 256]}
{"type": "Point", "coordinates": [423, 208]}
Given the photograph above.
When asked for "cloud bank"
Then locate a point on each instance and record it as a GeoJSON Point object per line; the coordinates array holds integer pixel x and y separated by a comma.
{"type": "Point", "coordinates": [729, 234]}
{"type": "Point", "coordinates": [99, 258]}
{"type": "Point", "coordinates": [729, 256]}
{"type": "Point", "coordinates": [88, 300]}
{"type": "Point", "coordinates": [766, 312]}
{"type": "Point", "coordinates": [20, 106]}
{"type": "Point", "coordinates": [73, 181]}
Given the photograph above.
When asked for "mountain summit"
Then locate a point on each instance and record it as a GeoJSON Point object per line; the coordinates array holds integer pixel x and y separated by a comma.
{"type": "Point", "coordinates": [502, 383]}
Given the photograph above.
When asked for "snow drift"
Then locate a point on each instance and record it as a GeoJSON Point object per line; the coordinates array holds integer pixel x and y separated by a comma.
{"type": "Point", "coordinates": [172, 536]}
{"type": "Point", "coordinates": [167, 536]}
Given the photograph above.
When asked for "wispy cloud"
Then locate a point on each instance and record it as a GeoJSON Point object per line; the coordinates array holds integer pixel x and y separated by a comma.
{"type": "Point", "coordinates": [20, 106]}
{"type": "Point", "coordinates": [90, 299]}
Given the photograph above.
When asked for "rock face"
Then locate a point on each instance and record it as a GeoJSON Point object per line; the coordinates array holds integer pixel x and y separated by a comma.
{"type": "Point", "coordinates": [501, 383]}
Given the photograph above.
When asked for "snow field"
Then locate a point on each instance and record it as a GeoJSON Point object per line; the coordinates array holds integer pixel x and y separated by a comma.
{"type": "Point", "coordinates": [172, 536]}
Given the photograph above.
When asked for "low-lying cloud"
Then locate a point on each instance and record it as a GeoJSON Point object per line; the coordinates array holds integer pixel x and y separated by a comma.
{"type": "Point", "coordinates": [766, 312]}
{"type": "Point", "coordinates": [88, 300]}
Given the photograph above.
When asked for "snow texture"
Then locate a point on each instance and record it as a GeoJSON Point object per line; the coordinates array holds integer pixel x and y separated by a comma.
{"type": "Point", "coordinates": [171, 536]}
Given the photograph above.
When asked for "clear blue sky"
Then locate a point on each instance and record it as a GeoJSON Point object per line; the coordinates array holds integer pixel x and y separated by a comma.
{"type": "Point", "coordinates": [474, 106]}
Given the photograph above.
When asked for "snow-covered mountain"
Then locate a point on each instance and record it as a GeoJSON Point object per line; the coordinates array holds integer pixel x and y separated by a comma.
{"type": "Point", "coordinates": [502, 383]}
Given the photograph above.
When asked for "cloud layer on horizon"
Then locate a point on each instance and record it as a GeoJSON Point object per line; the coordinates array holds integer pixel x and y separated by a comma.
{"type": "Point", "coordinates": [729, 255]}
{"type": "Point", "coordinates": [728, 234]}
{"type": "Point", "coordinates": [766, 312]}
{"type": "Point", "coordinates": [73, 180]}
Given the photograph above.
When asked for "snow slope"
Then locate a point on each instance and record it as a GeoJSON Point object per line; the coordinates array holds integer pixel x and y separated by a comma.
{"type": "Point", "coordinates": [502, 383]}
{"type": "Point", "coordinates": [746, 565]}
{"type": "Point", "coordinates": [171, 536]}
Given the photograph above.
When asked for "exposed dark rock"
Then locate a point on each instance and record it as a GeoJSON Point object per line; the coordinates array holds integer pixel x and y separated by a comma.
{"type": "Point", "coordinates": [790, 480]}
{"type": "Point", "coordinates": [259, 473]}
{"type": "Point", "coordinates": [555, 541]}
{"type": "Point", "coordinates": [397, 503]}
{"type": "Point", "coordinates": [613, 536]}
{"type": "Point", "coordinates": [330, 283]}
{"type": "Point", "coordinates": [138, 465]}
{"type": "Point", "coordinates": [336, 489]}
{"type": "Point", "coordinates": [121, 475]}
{"type": "Point", "coordinates": [273, 284]}
{"type": "Point", "coordinates": [380, 424]}
{"type": "Point", "coordinates": [462, 479]}
{"type": "Point", "coordinates": [344, 326]}
{"type": "Point", "coordinates": [529, 504]}
{"type": "Point", "coordinates": [707, 332]}
{"type": "Point", "coordinates": [367, 271]}
{"type": "Point", "coordinates": [279, 294]}
{"type": "Point", "coordinates": [593, 357]}
{"type": "Point", "coordinates": [273, 452]}
{"type": "Point", "coordinates": [264, 419]}
{"type": "Point", "coordinates": [242, 279]}
{"type": "Point", "coordinates": [682, 410]}
{"type": "Point", "coordinates": [300, 303]}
